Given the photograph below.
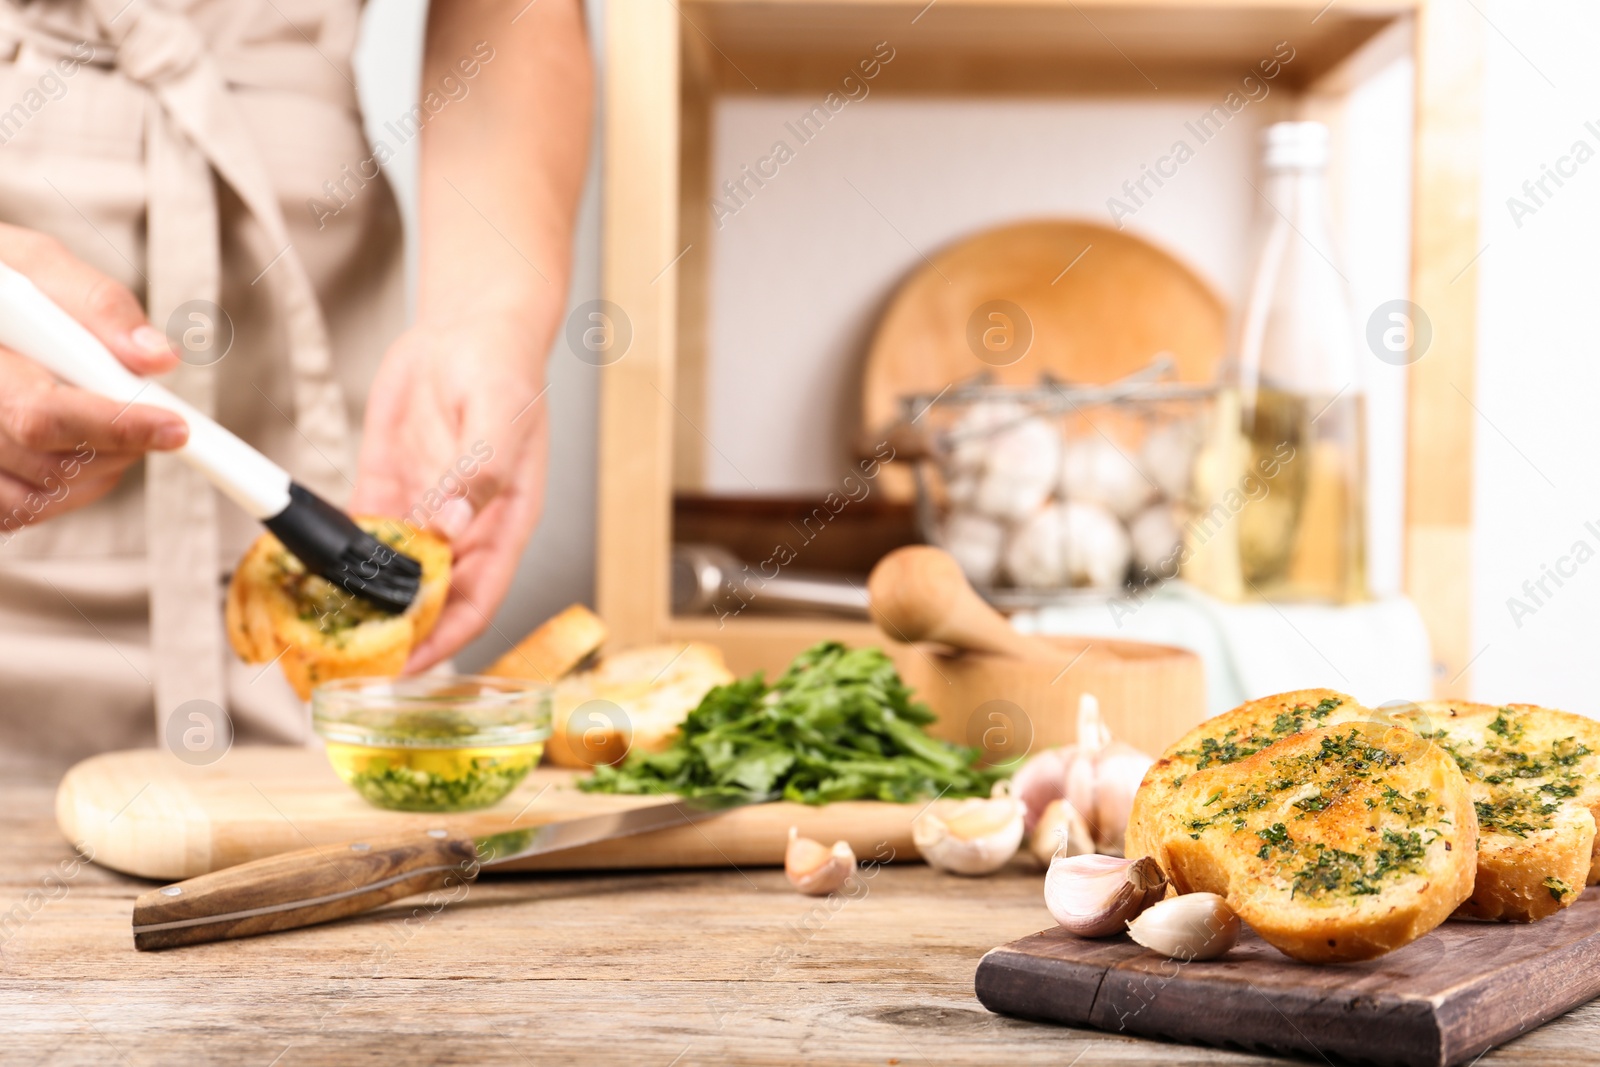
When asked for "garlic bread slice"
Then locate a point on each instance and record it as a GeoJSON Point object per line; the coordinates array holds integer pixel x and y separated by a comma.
{"type": "Point", "coordinates": [633, 699]}
{"type": "Point", "coordinates": [1535, 779]}
{"type": "Point", "coordinates": [276, 609]}
{"type": "Point", "coordinates": [1230, 737]}
{"type": "Point", "coordinates": [1338, 843]}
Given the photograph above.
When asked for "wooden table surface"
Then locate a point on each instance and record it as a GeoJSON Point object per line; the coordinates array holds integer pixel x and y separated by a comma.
{"type": "Point", "coordinates": [665, 968]}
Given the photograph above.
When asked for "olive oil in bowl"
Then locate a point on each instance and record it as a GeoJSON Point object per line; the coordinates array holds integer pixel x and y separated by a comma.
{"type": "Point", "coordinates": [432, 744]}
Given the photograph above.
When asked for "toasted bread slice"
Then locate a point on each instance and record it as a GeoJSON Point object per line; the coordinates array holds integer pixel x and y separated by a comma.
{"type": "Point", "coordinates": [1535, 780]}
{"type": "Point", "coordinates": [636, 698]}
{"type": "Point", "coordinates": [314, 629]}
{"type": "Point", "coordinates": [1230, 737]}
{"type": "Point", "coordinates": [555, 648]}
{"type": "Point", "coordinates": [1339, 843]}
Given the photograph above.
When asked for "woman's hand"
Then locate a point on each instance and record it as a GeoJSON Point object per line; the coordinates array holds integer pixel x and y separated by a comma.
{"type": "Point", "coordinates": [454, 441]}
{"type": "Point", "coordinates": [62, 447]}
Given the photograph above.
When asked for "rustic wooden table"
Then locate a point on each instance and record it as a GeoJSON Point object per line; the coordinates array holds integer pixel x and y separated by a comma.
{"type": "Point", "coordinates": [665, 969]}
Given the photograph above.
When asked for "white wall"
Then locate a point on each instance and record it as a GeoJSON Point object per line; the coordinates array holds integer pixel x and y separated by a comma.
{"type": "Point", "coordinates": [558, 567]}
{"type": "Point", "coordinates": [1536, 481]}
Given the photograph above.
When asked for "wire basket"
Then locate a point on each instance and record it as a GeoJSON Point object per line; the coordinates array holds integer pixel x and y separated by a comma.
{"type": "Point", "coordinates": [1058, 491]}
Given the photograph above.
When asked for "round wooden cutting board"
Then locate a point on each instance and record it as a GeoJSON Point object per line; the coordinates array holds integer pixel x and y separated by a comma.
{"type": "Point", "coordinates": [1082, 302]}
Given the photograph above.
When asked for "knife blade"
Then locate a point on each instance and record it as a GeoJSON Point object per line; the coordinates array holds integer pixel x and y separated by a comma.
{"type": "Point", "coordinates": [327, 882]}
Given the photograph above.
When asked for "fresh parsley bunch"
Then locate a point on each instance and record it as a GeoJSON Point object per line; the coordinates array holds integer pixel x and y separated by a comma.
{"type": "Point", "coordinates": [839, 725]}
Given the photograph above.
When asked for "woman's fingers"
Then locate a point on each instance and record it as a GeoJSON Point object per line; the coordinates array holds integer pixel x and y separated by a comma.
{"type": "Point", "coordinates": [101, 303]}
{"type": "Point", "coordinates": [41, 414]}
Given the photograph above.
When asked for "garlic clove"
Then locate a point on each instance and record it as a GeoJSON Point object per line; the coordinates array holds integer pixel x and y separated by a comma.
{"type": "Point", "coordinates": [1195, 926]}
{"type": "Point", "coordinates": [815, 869]}
{"type": "Point", "coordinates": [1061, 831]}
{"type": "Point", "coordinates": [1095, 896]}
{"type": "Point", "coordinates": [1041, 780]}
{"type": "Point", "coordinates": [975, 836]}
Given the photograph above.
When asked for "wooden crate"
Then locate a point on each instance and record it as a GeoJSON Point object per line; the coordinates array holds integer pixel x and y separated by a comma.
{"type": "Point", "coordinates": [666, 63]}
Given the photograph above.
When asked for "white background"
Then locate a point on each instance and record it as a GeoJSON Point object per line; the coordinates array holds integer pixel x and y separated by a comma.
{"type": "Point", "coordinates": [799, 273]}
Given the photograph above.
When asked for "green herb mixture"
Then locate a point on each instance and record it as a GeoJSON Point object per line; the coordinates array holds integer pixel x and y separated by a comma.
{"type": "Point", "coordinates": [1348, 770]}
{"type": "Point", "coordinates": [412, 789]}
{"type": "Point", "coordinates": [839, 725]}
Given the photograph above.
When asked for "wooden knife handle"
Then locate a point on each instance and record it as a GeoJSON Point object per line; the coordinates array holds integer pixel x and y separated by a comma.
{"type": "Point", "coordinates": [312, 885]}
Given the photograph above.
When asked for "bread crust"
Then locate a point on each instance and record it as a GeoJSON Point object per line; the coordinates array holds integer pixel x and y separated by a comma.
{"type": "Point", "coordinates": [1227, 738]}
{"type": "Point", "coordinates": [555, 648]}
{"type": "Point", "coordinates": [1338, 843]}
{"type": "Point", "coordinates": [1534, 774]}
{"type": "Point", "coordinates": [316, 631]}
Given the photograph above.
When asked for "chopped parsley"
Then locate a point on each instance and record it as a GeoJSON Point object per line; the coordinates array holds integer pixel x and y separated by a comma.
{"type": "Point", "coordinates": [839, 725]}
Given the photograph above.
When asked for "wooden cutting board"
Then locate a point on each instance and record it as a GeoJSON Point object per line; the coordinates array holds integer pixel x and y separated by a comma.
{"type": "Point", "coordinates": [147, 813]}
{"type": "Point", "coordinates": [1442, 999]}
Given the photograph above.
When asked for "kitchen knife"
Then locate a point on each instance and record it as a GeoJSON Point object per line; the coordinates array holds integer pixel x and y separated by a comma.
{"type": "Point", "coordinates": [322, 883]}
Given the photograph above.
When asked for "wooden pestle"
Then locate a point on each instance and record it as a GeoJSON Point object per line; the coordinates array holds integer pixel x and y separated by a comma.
{"type": "Point", "coordinates": [919, 593]}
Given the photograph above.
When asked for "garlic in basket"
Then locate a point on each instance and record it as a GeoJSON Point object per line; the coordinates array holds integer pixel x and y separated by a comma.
{"type": "Point", "coordinates": [815, 869]}
{"type": "Point", "coordinates": [972, 836]}
{"type": "Point", "coordinates": [1097, 776]}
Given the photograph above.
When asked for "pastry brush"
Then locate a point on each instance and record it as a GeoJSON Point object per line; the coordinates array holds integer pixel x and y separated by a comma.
{"type": "Point", "coordinates": [322, 536]}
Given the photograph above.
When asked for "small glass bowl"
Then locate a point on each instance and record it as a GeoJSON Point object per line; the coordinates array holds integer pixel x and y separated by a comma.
{"type": "Point", "coordinates": [432, 743]}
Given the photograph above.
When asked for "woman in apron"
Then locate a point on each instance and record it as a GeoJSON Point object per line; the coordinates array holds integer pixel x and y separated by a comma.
{"type": "Point", "coordinates": [196, 170]}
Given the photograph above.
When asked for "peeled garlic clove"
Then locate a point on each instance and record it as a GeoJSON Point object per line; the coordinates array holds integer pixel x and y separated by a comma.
{"type": "Point", "coordinates": [975, 836]}
{"type": "Point", "coordinates": [815, 869]}
{"type": "Point", "coordinates": [1094, 896]}
{"type": "Point", "coordinates": [1039, 781]}
{"type": "Point", "coordinates": [1061, 831]}
{"type": "Point", "coordinates": [1195, 926]}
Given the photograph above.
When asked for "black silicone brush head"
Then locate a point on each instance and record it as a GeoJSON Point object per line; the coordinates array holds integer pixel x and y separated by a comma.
{"type": "Point", "coordinates": [330, 544]}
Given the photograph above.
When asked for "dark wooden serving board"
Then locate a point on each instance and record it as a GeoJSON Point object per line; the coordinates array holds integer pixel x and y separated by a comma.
{"type": "Point", "coordinates": [1442, 999]}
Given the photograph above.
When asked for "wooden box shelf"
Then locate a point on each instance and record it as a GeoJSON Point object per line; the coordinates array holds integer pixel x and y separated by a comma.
{"type": "Point", "coordinates": [667, 63]}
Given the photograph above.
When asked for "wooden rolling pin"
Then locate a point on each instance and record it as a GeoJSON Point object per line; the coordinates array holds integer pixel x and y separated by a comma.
{"type": "Point", "coordinates": [919, 593]}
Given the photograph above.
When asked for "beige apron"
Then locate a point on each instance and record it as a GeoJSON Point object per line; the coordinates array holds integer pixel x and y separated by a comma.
{"type": "Point", "coordinates": [177, 146]}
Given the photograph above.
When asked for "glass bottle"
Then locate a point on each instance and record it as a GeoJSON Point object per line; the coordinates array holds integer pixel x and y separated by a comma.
{"type": "Point", "coordinates": [1300, 399]}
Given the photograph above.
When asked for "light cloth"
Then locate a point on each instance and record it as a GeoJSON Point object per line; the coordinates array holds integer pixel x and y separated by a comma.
{"type": "Point", "coordinates": [1376, 651]}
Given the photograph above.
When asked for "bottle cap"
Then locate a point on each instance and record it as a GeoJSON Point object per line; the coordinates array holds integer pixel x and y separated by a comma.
{"type": "Point", "coordinates": [1295, 145]}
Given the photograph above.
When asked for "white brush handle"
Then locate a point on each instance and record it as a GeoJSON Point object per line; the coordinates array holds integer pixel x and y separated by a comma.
{"type": "Point", "coordinates": [32, 325]}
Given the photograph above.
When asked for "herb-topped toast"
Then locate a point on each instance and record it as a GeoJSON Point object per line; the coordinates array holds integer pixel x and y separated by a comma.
{"type": "Point", "coordinates": [276, 609]}
{"type": "Point", "coordinates": [1230, 737]}
{"type": "Point", "coordinates": [1535, 780]}
{"type": "Point", "coordinates": [1337, 843]}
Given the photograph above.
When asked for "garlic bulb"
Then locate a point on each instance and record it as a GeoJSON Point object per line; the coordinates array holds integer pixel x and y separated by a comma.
{"type": "Point", "coordinates": [971, 433]}
{"type": "Point", "coordinates": [1156, 536]}
{"type": "Point", "coordinates": [1039, 782]}
{"type": "Point", "coordinates": [815, 869]}
{"type": "Point", "coordinates": [1195, 926]}
{"type": "Point", "coordinates": [1036, 556]}
{"type": "Point", "coordinates": [973, 836]}
{"type": "Point", "coordinates": [975, 543]}
{"type": "Point", "coordinates": [1095, 546]}
{"type": "Point", "coordinates": [1168, 457]}
{"type": "Point", "coordinates": [1094, 896]}
{"type": "Point", "coordinates": [1061, 831]}
{"type": "Point", "coordinates": [1102, 777]}
{"type": "Point", "coordinates": [1020, 469]}
{"type": "Point", "coordinates": [1093, 470]}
